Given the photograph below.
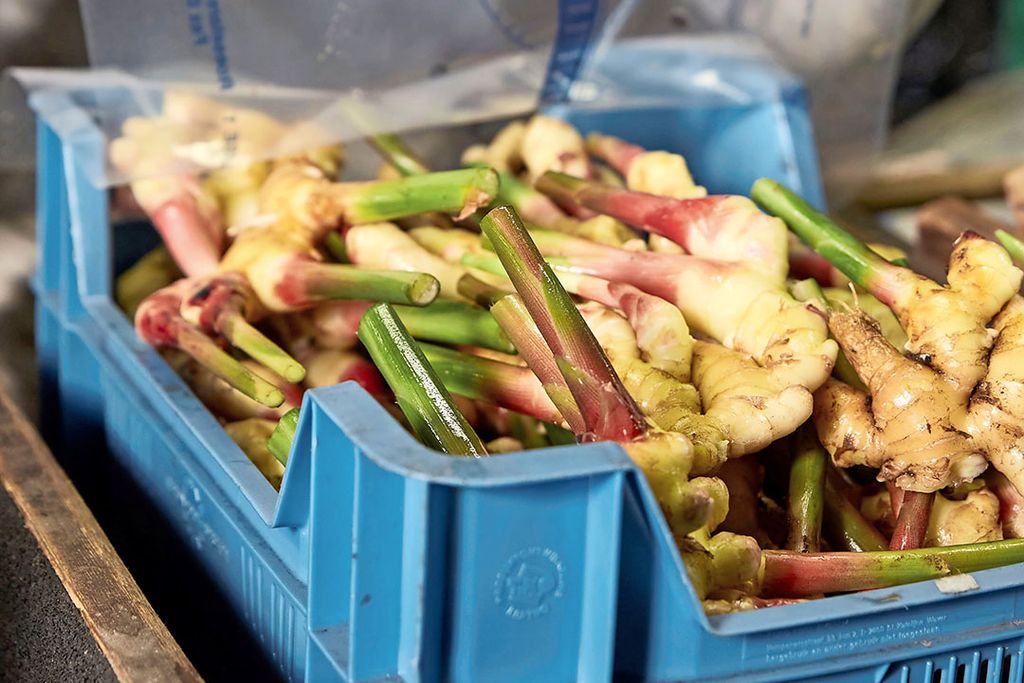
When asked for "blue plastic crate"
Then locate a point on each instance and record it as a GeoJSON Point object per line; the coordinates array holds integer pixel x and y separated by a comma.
{"type": "Point", "coordinates": [380, 559]}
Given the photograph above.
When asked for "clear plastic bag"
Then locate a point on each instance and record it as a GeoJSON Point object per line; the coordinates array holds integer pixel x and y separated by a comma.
{"type": "Point", "coordinates": [846, 53]}
{"type": "Point", "coordinates": [324, 71]}
{"type": "Point", "coordinates": [329, 71]}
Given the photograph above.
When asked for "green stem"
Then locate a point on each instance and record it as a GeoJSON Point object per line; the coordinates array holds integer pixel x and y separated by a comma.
{"type": "Point", "coordinates": [327, 282]}
{"type": "Point", "coordinates": [280, 442]}
{"type": "Point", "coordinates": [515, 320]}
{"type": "Point", "coordinates": [845, 527]}
{"type": "Point", "coordinates": [336, 246]}
{"type": "Point", "coordinates": [403, 160]}
{"type": "Point", "coordinates": [508, 386]}
{"type": "Point", "coordinates": [900, 261]}
{"type": "Point", "coordinates": [455, 322]}
{"type": "Point", "coordinates": [477, 290]}
{"type": "Point", "coordinates": [418, 390]}
{"type": "Point", "coordinates": [1012, 244]}
{"type": "Point", "coordinates": [844, 251]}
{"type": "Point", "coordinates": [559, 436]}
{"type": "Point", "coordinates": [237, 330]}
{"type": "Point", "coordinates": [458, 192]}
{"type": "Point", "coordinates": [393, 149]}
{"type": "Point", "coordinates": [608, 409]}
{"type": "Point", "coordinates": [527, 430]}
{"type": "Point", "coordinates": [806, 493]}
{"type": "Point", "coordinates": [810, 291]}
{"type": "Point", "coordinates": [485, 262]}
{"type": "Point", "coordinates": [792, 574]}
{"type": "Point", "coordinates": [210, 356]}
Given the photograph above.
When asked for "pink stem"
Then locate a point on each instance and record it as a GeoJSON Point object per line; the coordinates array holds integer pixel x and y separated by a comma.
{"type": "Point", "coordinates": [616, 152]}
{"type": "Point", "coordinates": [912, 521]}
{"type": "Point", "coordinates": [1011, 504]}
{"type": "Point", "coordinates": [804, 263]}
{"type": "Point", "coordinates": [653, 272]}
{"type": "Point", "coordinates": [680, 220]}
{"type": "Point", "coordinates": [188, 236]}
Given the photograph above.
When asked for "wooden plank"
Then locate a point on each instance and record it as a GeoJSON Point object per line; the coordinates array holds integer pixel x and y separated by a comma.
{"type": "Point", "coordinates": [127, 630]}
{"type": "Point", "coordinates": [913, 188]}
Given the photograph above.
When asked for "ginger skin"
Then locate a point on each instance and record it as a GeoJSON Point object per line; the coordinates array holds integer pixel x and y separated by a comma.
{"type": "Point", "coordinates": [939, 415]}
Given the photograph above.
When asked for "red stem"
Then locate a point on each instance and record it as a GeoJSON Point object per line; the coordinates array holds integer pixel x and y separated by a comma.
{"type": "Point", "coordinates": [1011, 504]}
{"type": "Point", "coordinates": [676, 219]}
{"type": "Point", "coordinates": [614, 151]}
{"type": "Point", "coordinates": [653, 272]}
{"type": "Point", "coordinates": [804, 263]}
{"type": "Point", "coordinates": [912, 521]}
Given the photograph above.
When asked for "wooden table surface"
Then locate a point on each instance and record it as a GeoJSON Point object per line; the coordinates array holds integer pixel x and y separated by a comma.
{"type": "Point", "coordinates": [134, 642]}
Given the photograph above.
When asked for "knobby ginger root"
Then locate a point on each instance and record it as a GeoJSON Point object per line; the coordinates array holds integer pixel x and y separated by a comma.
{"type": "Point", "coordinates": [975, 519]}
{"type": "Point", "coordinates": [251, 436]}
{"type": "Point", "coordinates": [934, 418]}
{"type": "Point", "coordinates": [955, 403]}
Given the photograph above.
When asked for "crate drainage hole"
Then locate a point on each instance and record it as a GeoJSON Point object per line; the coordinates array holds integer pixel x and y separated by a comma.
{"type": "Point", "coordinates": [1007, 665]}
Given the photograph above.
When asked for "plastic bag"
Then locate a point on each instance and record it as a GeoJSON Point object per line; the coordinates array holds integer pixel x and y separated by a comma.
{"type": "Point", "coordinates": [718, 100]}
{"type": "Point", "coordinates": [324, 71]}
{"type": "Point", "coordinates": [846, 53]}
{"type": "Point", "coordinates": [341, 71]}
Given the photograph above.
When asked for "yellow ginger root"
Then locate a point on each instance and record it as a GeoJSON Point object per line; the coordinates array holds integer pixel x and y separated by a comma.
{"type": "Point", "coordinates": [937, 417]}
{"type": "Point", "coordinates": [736, 260]}
{"type": "Point", "coordinates": [996, 416]}
{"type": "Point", "coordinates": [723, 560]}
{"type": "Point", "coordinates": [504, 151]}
{"type": "Point", "coordinates": [743, 402]}
{"type": "Point", "coordinates": [654, 172]}
{"type": "Point", "coordinates": [755, 405]}
{"type": "Point", "coordinates": [729, 601]}
{"type": "Point", "coordinates": [548, 144]}
{"type": "Point", "coordinates": [551, 144]}
{"type": "Point", "coordinates": [504, 444]}
{"type": "Point", "coordinates": [449, 244]}
{"type": "Point", "coordinates": [887, 322]}
{"type": "Point", "coordinates": [662, 337]}
{"type": "Point", "coordinates": [744, 405]}
{"type": "Point", "coordinates": [663, 173]}
{"type": "Point", "coordinates": [671, 404]}
{"type": "Point", "coordinates": [302, 204]}
{"type": "Point", "coordinates": [600, 229]}
{"type": "Point", "coordinates": [251, 436]}
{"type": "Point", "coordinates": [237, 192]}
{"type": "Point", "coordinates": [877, 509]}
{"type": "Point", "coordinates": [975, 519]}
{"type": "Point", "coordinates": [164, 157]}
{"type": "Point", "coordinates": [385, 246]}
